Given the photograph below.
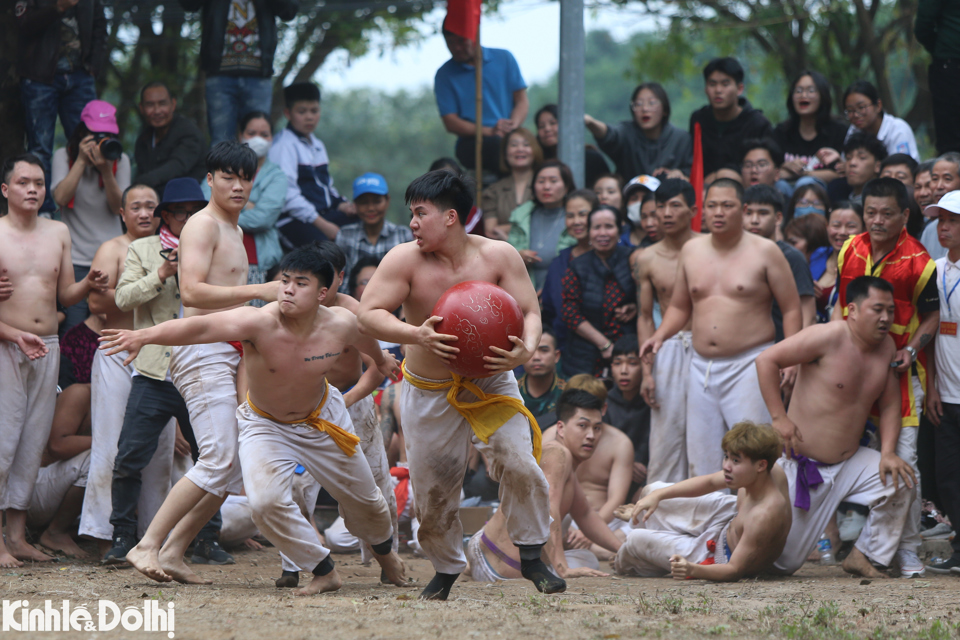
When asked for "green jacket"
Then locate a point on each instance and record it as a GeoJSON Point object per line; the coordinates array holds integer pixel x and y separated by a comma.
{"type": "Point", "coordinates": [520, 229]}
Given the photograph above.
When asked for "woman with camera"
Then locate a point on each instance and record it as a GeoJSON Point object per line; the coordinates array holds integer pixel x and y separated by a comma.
{"type": "Point", "coordinates": [89, 177]}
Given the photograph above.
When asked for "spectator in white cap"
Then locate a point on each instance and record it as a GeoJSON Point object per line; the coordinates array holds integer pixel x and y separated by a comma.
{"type": "Point", "coordinates": [88, 178]}
{"type": "Point", "coordinates": [643, 227]}
{"type": "Point", "coordinates": [943, 396]}
{"type": "Point", "coordinates": [375, 235]}
{"type": "Point", "coordinates": [944, 179]}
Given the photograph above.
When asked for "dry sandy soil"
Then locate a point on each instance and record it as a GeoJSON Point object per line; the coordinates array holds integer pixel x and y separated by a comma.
{"type": "Point", "coordinates": [816, 603]}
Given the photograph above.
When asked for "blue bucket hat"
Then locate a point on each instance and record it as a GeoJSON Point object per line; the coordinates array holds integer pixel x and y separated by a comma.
{"type": "Point", "coordinates": [180, 190]}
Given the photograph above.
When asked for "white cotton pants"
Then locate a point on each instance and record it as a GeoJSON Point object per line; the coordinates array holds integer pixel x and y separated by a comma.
{"type": "Point", "coordinates": [269, 453]}
{"type": "Point", "coordinates": [668, 423]}
{"type": "Point", "coordinates": [28, 396]}
{"type": "Point", "coordinates": [110, 383]}
{"type": "Point", "coordinates": [52, 484]}
{"type": "Point", "coordinates": [206, 377]}
{"type": "Point", "coordinates": [855, 480]}
{"type": "Point", "coordinates": [681, 526]}
{"type": "Point", "coordinates": [363, 414]}
{"type": "Point", "coordinates": [438, 441]}
{"type": "Point", "coordinates": [907, 451]}
{"type": "Point", "coordinates": [721, 393]}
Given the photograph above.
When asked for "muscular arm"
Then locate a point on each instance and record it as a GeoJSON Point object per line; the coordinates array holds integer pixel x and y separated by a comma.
{"type": "Point", "coordinates": [752, 555]}
{"type": "Point", "coordinates": [197, 243]}
{"type": "Point", "coordinates": [681, 304]}
{"type": "Point", "coordinates": [645, 300]}
{"type": "Point", "coordinates": [367, 383]}
{"type": "Point", "coordinates": [387, 289]}
{"type": "Point", "coordinates": [557, 468]}
{"type": "Point", "coordinates": [516, 282]}
{"type": "Point", "coordinates": [106, 262]}
{"type": "Point", "coordinates": [590, 522]}
{"type": "Point", "coordinates": [621, 475]}
{"type": "Point", "coordinates": [69, 291]}
{"type": "Point", "coordinates": [72, 409]}
{"type": "Point", "coordinates": [784, 289]}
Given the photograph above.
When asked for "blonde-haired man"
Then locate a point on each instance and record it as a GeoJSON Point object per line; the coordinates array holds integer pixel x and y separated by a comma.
{"type": "Point", "coordinates": [694, 529]}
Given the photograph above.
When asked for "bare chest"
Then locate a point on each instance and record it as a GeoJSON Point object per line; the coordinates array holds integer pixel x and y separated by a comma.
{"type": "Point", "coordinates": [228, 265]}
{"type": "Point", "coordinates": [430, 283]}
{"type": "Point", "coordinates": [26, 256]}
{"type": "Point", "coordinates": [731, 277]}
{"type": "Point", "coordinates": [663, 275]}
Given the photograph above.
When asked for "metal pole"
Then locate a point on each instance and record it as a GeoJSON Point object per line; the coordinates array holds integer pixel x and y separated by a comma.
{"type": "Point", "coordinates": [478, 158]}
{"type": "Point", "coordinates": [571, 103]}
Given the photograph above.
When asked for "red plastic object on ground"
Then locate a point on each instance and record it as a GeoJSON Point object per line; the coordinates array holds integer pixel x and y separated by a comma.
{"type": "Point", "coordinates": [481, 315]}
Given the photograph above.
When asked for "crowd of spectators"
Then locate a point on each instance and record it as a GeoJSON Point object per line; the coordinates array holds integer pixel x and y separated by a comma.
{"type": "Point", "coordinates": [804, 184]}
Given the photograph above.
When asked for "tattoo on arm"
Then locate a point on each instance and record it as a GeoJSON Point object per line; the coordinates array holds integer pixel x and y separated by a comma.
{"type": "Point", "coordinates": [924, 339]}
{"type": "Point", "coordinates": [322, 357]}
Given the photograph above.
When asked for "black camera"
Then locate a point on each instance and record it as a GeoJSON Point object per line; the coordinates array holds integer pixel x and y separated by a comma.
{"type": "Point", "coordinates": [110, 147]}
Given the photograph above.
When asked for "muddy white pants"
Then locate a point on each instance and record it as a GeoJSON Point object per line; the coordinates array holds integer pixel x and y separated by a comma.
{"type": "Point", "coordinates": [110, 383]}
{"type": "Point", "coordinates": [52, 484]}
{"type": "Point", "coordinates": [269, 453]}
{"type": "Point", "coordinates": [28, 395]}
{"type": "Point", "coordinates": [855, 480]}
{"type": "Point", "coordinates": [438, 442]}
{"type": "Point", "coordinates": [721, 393]}
{"type": "Point", "coordinates": [668, 423]}
{"type": "Point", "coordinates": [681, 526]}
{"type": "Point", "coordinates": [206, 377]}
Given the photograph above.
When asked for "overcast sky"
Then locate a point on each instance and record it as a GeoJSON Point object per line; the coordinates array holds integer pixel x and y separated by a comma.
{"type": "Point", "coordinates": [414, 66]}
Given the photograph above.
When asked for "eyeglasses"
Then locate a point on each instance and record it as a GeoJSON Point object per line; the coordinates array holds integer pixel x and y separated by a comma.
{"type": "Point", "coordinates": [640, 104]}
{"type": "Point", "coordinates": [810, 91]}
{"type": "Point", "coordinates": [759, 164]}
{"type": "Point", "coordinates": [859, 110]}
{"type": "Point", "coordinates": [810, 203]}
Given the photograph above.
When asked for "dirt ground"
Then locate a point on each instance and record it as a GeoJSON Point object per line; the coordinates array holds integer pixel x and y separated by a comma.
{"type": "Point", "coordinates": [818, 602]}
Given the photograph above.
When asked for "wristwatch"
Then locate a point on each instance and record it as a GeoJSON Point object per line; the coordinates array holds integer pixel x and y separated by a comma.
{"type": "Point", "coordinates": [912, 352]}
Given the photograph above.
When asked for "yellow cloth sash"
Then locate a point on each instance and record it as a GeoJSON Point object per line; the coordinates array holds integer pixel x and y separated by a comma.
{"type": "Point", "coordinates": [344, 439]}
{"type": "Point", "coordinates": [486, 415]}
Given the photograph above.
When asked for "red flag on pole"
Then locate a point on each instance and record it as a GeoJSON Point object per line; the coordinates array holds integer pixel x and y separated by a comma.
{"type": "Point", "coordinates": [463, 18]}
{"type": "Point", "coordinates": [696, 175]}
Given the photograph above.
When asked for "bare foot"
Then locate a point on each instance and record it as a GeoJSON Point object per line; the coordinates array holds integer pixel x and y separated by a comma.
{"type": "Point", "coordinates": [147, 562]}
{"type": "Point", "coordinates": [21, 550]}
{"type": "Point", "coordinates": [176, 568]}
{"type": "Point", "coordinates": [7, 561]}
{"type": "Point", "coordinates": [63, 543]}
{"type": "Point", "coordinates": [858, 564]}
{"type": "Point", "coordinates": [321, 584]}
{"type": "Point", "coordinates": [393, 569]}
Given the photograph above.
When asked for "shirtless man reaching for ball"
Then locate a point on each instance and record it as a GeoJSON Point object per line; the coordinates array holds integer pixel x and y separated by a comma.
{"type": "Point", "coordinates": [416, 274]}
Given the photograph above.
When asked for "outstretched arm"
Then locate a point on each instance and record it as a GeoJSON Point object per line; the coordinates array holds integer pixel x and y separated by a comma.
{"type": "Point", "coordinates": [689, 488]}
{"type": "Point", "coordinates": [233, 325]}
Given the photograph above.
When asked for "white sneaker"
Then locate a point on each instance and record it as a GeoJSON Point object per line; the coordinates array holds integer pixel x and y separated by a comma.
{"type": "Point", "coordinates": [910, 565]}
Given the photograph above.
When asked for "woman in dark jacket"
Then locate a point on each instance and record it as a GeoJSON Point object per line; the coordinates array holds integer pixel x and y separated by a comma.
{"type": "Point", "coordinates": [599, 296]}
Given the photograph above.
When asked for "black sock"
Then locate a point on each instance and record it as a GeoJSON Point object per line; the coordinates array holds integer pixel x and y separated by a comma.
{"type": "Point", "coordinates": [533, 569]}
{"type": "Point", "coordinates": [288, 580]}
{"type": "Point", "coordinates": [325, 567]}
{"type": "Point", "coordinates": [439, 587]}
{"type": "Point", "coordinates": [384, 548]}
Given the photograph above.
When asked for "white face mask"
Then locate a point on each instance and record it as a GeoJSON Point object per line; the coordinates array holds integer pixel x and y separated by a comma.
{"type": "Point", "coordinates": [260, 145]}
{"type": "Point", "coordinates": [633, 213]}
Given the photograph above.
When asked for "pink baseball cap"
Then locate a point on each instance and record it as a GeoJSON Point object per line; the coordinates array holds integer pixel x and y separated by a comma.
{"type": "Point", "coordinates": [100, 117]}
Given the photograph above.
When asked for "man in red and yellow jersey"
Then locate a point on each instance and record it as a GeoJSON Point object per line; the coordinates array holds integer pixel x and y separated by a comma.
{"type": "Point", "coordinates": [886, 251]}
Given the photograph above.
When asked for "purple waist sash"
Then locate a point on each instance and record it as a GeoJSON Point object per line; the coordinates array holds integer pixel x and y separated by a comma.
{"type": "Point", "coordinates": [808, 477]}
{"type": "Point", "coordinates": [495, 550]}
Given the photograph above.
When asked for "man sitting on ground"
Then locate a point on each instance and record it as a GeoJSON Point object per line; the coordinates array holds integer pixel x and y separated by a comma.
{"type": "Point", "coordinates": [695, 529]}
{"type": "Point", "coordinates": [493, 557]}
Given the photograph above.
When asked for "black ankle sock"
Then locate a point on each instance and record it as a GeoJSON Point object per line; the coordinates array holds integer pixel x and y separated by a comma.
{"type": "Point", "coordinates": [439, 587]}
{"type": "Point", "coordinates": [288, 580]}
{"type": "Point", "coordinates": [325, 567]}
{"type": "Point", "coordinates": [384, 548]}
{"type": "Point", "coordinates": [533, 569]}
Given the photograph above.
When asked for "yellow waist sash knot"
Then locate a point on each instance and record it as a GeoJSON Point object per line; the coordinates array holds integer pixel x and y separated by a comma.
{"type": "Point", "coordinates": [486, 415]}
{"type": "Point", "coordinates": [344, 439]}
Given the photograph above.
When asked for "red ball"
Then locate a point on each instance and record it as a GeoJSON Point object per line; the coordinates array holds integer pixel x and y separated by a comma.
{"type": "Point", "coordinates": [481, 315]}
